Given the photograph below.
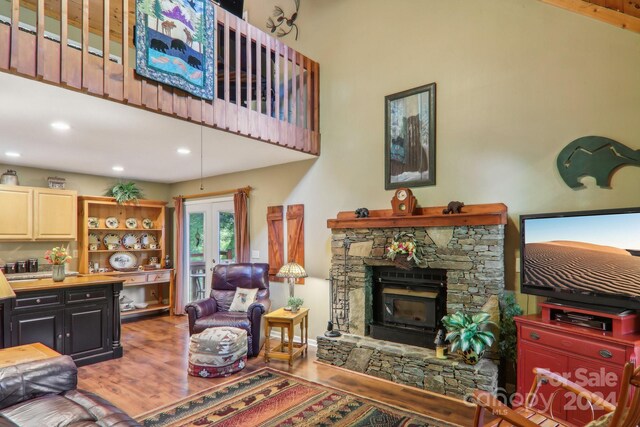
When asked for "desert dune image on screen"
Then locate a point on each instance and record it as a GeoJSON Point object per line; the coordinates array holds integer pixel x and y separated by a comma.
{"type": "Point", "coordinates": [584, 254]}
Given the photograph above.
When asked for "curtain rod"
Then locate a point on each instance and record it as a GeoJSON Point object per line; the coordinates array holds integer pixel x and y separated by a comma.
{"type": "Point", "coordinates": [246, 190]}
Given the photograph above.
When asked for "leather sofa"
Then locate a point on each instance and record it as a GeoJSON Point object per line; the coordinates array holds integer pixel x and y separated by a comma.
{"type": "Point", "coordinates": [43, 393]}
{"type": "Point", "coordinates": [214, 311]}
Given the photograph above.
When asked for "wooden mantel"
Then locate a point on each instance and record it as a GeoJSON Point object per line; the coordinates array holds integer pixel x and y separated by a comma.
{"type": "Point", "coordinates": [487, 214]}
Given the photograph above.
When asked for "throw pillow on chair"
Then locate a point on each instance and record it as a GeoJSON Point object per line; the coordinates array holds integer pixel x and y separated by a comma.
{"type": "Point", "coordinates": [243, 299]}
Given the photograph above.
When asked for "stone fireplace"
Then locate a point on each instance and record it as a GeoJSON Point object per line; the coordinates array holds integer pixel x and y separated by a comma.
{"type": "Point", "coordinates": [463, 268]}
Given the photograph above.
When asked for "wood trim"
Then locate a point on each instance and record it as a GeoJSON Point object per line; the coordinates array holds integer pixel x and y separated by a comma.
{"type": "Point", "coordinates": [15, 19]}
{"type": "Point", "coordinates": [106, 37]}
{"type": "Point", "coordinates": [111, 200]}
{"type": "Point", "coordinates": [125, 51]}
{"type": "Point", "coordinates": [40, 39]}
{"type": "Point", "coordinates": [295, 235]}
{"type": "Point", "coordinates": [488, 214]}
{"type": "Point", "coordinates": [6, 291]}
{"type": "Point", "coordinates": [64, 31]}
{"type": "Point", "coordinates": [275, 233]}
{"type": "Point", "coordinates": [85, 43]}
{"type": "Point", "coordinates": [246, 190]}
{"type": "Point", "coordinates": [619, 19]}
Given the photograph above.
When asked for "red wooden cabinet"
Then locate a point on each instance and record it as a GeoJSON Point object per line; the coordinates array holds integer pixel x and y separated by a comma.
{"type": "Point", "coordinates": [591, 358]}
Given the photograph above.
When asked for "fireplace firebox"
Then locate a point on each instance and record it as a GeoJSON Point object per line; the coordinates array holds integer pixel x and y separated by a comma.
{"type": "Point", "coordinates": [408, 305]}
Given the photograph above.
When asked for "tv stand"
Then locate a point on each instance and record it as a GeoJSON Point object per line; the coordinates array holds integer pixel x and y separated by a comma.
{"type": "Point", "coordinates": [580, 354]}
{"type": "Point", "coordinates": [591, 307]}
{"type": "Point", "coordinates": [618, 324]}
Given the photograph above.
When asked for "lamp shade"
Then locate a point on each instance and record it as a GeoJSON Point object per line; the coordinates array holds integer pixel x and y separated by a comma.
{"type": "Point", "coordinates": [292, 270]}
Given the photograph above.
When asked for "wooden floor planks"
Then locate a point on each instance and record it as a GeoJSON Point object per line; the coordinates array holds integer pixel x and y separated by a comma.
{"type": "Point", "coordinates": [153, 373]}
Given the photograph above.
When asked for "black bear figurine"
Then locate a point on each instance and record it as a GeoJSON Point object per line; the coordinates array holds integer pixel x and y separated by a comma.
{"type": "Point", "coordinates": [362, 213]}
{"type": "Point", "coordinates": [453, 208]}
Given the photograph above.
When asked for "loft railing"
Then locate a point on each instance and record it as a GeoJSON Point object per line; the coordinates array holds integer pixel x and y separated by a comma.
{"type": "Point", "coordinates": [265, 90]}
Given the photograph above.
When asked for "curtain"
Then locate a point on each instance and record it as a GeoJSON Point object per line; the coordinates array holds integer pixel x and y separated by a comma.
{"type": "Point", "coordinates": [179, 261]}
{"type": "Point", "coordinates": [242, 226]}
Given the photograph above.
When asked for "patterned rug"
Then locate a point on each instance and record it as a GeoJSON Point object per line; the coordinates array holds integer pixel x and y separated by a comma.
{"type": "Point", "coordinates": [272, 398]}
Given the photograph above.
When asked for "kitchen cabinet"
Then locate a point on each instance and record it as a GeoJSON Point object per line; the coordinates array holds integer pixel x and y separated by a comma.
{"type": "Point", "coordinates": [16, 213]}
{"type": "Point", "coordinates": [29, 213]}
{"type": "Point", "coordinates": [79, 317]}
{"type": "Point", "coordinates": [56, 214]}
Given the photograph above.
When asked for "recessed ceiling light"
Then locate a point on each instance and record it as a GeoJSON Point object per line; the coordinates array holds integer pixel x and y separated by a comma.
{"type": "Point", "coordinates": [184, 151]}
{"type": "Point", "coordinates": [118, 168]}
{"type": "Point", "coordinates": [60, 126]}
{"type": "Point", "coordinates": [12, 154]}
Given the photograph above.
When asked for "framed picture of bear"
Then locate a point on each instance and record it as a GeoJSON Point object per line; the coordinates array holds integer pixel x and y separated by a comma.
{"type": "Point", "coordinates": [410, 138]}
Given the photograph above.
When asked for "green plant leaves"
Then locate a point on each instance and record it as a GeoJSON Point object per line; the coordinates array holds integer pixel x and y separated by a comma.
{"type": "Point", "coordinates": [468, 331]}
{"type": "Point", "coordinates": [125, 192]}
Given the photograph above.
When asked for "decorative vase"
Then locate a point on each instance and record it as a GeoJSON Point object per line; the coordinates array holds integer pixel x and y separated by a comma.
{"type": "Point", "coordinates": [294, 309]}
{"type": "Point", "coordinates": [58, 272]}
{"type": "Point", "coordinates": [470, 357]}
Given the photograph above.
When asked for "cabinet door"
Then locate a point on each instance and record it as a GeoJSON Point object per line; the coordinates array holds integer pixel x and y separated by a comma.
{"type": "Point", "coordinates": [598, 377]}
{"type": "Point", "coordinates": [16, 213]}
{"type": "Point", "coordinates": [86, 330]}
{"type": "Point", "coordinates": [56, 214]}
{"type": "Point", "coordinates": [534, 356]}
{"type": "Point", "coordinates": [43, 326]}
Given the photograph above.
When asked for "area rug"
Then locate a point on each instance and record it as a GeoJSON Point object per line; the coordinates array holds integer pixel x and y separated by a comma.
{"type": "Point", "coordinates": [271, 398]}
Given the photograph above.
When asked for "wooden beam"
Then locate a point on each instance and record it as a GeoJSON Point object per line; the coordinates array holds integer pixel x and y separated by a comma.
{"type": "Point", "coordinates": [619, 19]}
{"type": "Point", "coordinates": [106, 49]}
{"type": "Point", "coordinates": [40, 39]}
{"type": "Point", "coordinates": [64, 30]}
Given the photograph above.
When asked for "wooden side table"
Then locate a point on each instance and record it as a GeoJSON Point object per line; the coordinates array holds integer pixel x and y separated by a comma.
{"type": "Point", "coordinates": [25, 353]}
{"type": "Point", "coordinates": [283, 319]}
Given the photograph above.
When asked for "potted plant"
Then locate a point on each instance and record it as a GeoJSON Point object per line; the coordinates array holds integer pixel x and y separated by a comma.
{"type": "Point", "coordinates": [295, 303]}
{"type": "Point", "coordinates": [125, 192]}
{"type": "Point", "coordinates": [509, 308]}
{"type": "Point", "coordinates": [59, 257]}
{"type": "Point", "coordinates": [469, 334]}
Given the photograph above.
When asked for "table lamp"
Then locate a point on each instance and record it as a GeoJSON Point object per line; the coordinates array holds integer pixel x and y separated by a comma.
{"type": "Point", "coordinates": [291, 271]}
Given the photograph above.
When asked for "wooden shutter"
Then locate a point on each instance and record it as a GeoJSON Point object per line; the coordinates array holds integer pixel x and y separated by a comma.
{"type": "Point", "coordinates": [275, 230]}
{"type": "Point", "coordinates": [295, 235]}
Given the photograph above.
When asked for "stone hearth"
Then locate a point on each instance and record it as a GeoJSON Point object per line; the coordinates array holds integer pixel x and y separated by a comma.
{"type": "Point", "coordinates": [469, 246]}
{"type": "Point", "coordinates": [405, 364]}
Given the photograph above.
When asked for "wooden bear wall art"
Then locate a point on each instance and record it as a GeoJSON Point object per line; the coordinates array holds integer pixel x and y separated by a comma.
{"type": "Point", "coordinates": [594, 156]}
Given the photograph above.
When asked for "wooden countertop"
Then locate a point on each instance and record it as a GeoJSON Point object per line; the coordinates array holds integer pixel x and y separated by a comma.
{"type": "Point", "coordinates": [69, 282]}
{"type": "Point", "coordinates": [6, 291]}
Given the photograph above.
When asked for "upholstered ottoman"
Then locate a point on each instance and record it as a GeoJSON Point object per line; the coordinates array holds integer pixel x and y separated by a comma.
{"type": "Point", "coordinates": [217, 352]}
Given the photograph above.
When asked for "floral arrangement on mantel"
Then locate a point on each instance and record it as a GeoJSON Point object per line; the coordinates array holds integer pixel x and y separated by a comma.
{"type": "Point", "coordinates": [404, 251]}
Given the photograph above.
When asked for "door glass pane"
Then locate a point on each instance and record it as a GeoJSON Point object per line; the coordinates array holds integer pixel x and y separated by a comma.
{"type": "Point", "coordinates": [197, 264]}
{"type": "Point", "coordinates": [227, 237]}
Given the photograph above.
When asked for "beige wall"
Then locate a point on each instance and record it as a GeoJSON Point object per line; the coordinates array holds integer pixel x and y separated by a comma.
{"type": "Point", "coordinates": [84, 185]}
{"type": "Point", "coordinates": [517, 81]}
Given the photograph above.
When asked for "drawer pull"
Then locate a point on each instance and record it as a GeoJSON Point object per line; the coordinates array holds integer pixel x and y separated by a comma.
{"type": "Point", "coordinates": [534, 336]}
{"type": "Point", "coordinates": [60, 336]}
{"type": "Point", "coordinates": [68, 334]}
{"type": "Point", "coordinates": [38, 301]}
{"type": "Point", "coordinates": [606, 354]}
{"type": "Point", "coordinates": [88, 295]}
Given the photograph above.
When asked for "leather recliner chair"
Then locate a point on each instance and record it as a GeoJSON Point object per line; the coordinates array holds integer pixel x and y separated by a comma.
{"type": "Point", "coordinates": [43, 393]}
{"type": "Point", "coordinates": [214, 311]}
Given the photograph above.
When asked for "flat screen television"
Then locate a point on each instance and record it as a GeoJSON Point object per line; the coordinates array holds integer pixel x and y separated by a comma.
{"type": "Point", "coordinates": [590, 257]}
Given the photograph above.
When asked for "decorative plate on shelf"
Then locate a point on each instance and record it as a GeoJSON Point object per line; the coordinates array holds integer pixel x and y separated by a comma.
{"type": "Point", "coordinates": [123, 261]}
{"type": "Point", "coordinates": [147, 240]}
{"type": "Point", "coordinates": [129, 240]}
{"type": "Point", "coordinates": [147, 223]}
{"type": "Point", "coordinates": [111, 239]}
{"type": "Point", "coordinates": [112, 222]}
{"type": "Point", "coordinates": [93, 222]}
{"type": "Point", "coordinates": [94, 239]}
{"type": "Point", "coordinates": [131, 223]}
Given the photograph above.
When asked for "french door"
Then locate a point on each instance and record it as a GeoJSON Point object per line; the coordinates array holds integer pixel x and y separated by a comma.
{"type": "Point", "coordinates": [209, 240]}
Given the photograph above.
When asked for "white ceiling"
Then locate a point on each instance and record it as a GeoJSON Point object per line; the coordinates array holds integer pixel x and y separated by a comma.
{"type": "Point", "coordinates": [104, 134]}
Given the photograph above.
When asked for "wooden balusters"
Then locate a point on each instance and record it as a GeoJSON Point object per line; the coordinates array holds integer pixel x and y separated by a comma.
{"type": "Point", "coordinates": [271, 94]}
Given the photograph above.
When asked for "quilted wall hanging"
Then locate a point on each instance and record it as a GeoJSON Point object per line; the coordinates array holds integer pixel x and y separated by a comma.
{"type": "Point", "coordinates": [174, 44]}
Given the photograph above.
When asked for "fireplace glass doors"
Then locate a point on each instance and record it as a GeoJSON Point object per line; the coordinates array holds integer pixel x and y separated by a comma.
{"type": "Point", "coordinates": [408, 305]}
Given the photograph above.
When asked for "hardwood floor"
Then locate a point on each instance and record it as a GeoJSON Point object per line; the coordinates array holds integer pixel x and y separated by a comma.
{"type": "Point", "coordinates": [153, 373]}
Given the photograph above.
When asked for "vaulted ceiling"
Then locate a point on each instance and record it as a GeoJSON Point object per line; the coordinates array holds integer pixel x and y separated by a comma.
{"type": "Point", "coordinates": [621, 13]}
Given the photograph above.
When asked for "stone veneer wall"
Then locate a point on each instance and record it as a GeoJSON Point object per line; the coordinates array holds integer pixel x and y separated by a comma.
{"type": "Point", "coordinates": [405, 364]}
{"type": "Point", "coordinates": [472, 255]}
